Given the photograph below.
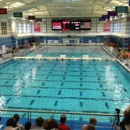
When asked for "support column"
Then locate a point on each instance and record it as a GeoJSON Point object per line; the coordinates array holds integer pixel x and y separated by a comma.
{"type": "Point", "coordinates": [13, 26]}
{"type": "Point", "coordinates": [44, 39]}
{"type": "Point", "coordinates": [3, 49]}
{"type": "Point", "coordinates": [16, 43]}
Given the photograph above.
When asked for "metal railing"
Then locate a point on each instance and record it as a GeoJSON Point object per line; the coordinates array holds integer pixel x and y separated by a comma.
{"type": "Point", "coordinates": [72, 117]}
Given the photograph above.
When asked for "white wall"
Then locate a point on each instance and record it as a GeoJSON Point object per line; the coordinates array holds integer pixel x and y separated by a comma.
{"type": "Point", "coordinates": [46, 27]}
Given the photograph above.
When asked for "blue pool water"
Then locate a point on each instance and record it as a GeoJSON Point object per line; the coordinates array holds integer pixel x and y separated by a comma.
{"type": "Point", "coordinates": [70, 52]}
{"type": "Point", "coordinates": [79, 86]}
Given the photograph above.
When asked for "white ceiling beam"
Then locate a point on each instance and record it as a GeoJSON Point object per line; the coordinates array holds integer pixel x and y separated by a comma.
{"type": "Point", "coordinates": [25, 2]}
{"type": "Point", "coordinates": [29, 6]}
{"type": "Point", "coordinates": [64, 16]}
{"type": "Point", "coordinates": [3, 5]}
{"type": "Point", "coordinates": [5, 1]}
{"type": "Point", "coordinates": [67, 7]}
{"type": "Point", "coordinates": [75, 11]}
{"type": "Point", "coordinates": [84, 9]}
{"type": "Point", "coordinates": [72, 3]}
{"type": "Point", "coordinates": [105, 4]}
{"type": "Point", "coordinates": [93, 7]}
{"type": "Point", "coordinates": [48, 11]}
{"type": "Point", "coordinates": [64, 13]}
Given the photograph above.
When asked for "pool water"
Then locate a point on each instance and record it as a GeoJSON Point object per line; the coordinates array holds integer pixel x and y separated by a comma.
{"type": "Point", "coordinates": [70, 52]}
{"type": "Point", "coordinates": [69, 85]}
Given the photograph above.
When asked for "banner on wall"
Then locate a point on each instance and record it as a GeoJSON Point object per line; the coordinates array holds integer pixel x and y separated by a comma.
{"type": "Point", "coordinates": [37, 27]}
{"type": "Point", "coordinates": [107, 26]}
{"type": "Point", "coordinates": [38, 19]}
{"type": "Point", "coordinates": [112, 13]}
{"type": "Point", "coordinates": [85, 41]}
{"type": "Point", "coordinates": [3, 11]}
{"type": "Point", "coordinates": [101, 19]}
{"type": "Point", "coordinates": [105, 17]}
{"type": "Point", "coordinates": [31, 17]}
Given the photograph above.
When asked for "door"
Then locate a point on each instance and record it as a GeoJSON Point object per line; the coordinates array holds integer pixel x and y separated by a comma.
{"type": "Point", "coordinates": [37, 40]}
{"type": "Point", "coordinates": [106, 41]}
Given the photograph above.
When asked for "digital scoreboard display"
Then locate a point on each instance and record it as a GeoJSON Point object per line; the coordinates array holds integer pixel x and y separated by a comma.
{"type": "Point", "coordinates": [67, 25]}
{"type": "Point", "coordinates": [56, 25]}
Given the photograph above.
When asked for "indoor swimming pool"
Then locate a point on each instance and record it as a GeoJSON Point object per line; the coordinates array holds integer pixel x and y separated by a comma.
{"type": "Point", "coordinates": [69, 85]}
{"type": "Point", "coordinates": [70, 51]}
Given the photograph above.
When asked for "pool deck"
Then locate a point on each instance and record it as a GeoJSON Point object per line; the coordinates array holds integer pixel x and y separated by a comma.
{"type": "Point", "coordinates": [113, 53]}
{"type": "Point", "coordinates": [9, 55]}
{"type": "Point", "coordinates": [124, 62]}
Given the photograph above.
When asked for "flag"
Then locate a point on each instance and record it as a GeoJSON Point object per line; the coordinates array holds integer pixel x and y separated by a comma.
{"type": "Point", "coordinates": [85, 25]}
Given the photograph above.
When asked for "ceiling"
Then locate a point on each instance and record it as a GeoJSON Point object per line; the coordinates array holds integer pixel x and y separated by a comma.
{"type": "Point", "coordinates": [61, 8]}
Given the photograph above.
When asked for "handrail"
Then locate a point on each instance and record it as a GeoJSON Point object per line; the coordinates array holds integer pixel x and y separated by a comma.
{"type": "Point", "coordinates": [72, 124]}
{"type": "Point", "coordinates": [59, 112]}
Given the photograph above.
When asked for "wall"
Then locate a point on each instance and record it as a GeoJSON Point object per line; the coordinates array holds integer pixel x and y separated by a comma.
{"type": "Point", "coordinates": [29, 39]}
{"type": "Point", "coordinates": [119, 26]}
{"type": "Point", "coordinates": [8, 39]}
{"type": "Point", "coordinates": [126, 42]}
{"type": "Point", "coordinates": [94, 28]}
{"type": "Point", "coordinates": [46, 27]}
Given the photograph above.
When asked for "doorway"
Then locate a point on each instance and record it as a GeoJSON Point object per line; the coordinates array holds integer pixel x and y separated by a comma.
{"type": "Point", "coordinates": [37, 40]}
{"type": "Point", "coordinates": [106, 41]}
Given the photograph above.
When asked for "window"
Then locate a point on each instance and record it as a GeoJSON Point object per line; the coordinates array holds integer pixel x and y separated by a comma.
{"type": "Point", "coordinates": [4, 28]}
{"type": "Point", "coordinates": [32, 27]}
{"type": "Point", "coordinates": [20, 28]}
{"type": "Point", "coordinates": [24, 28]}
{"type": "Point", "coordinates": [115, 29]}
{"type": "Point", "coordinates": [29, 28]}
{"type": "Point", "coordinates": [112, 27]}
{"type": "Point", "coordinates": [121, 27]}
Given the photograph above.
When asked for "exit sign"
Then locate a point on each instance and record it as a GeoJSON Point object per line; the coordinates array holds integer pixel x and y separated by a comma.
{"type": "Point", "coordinates": [18, 14]}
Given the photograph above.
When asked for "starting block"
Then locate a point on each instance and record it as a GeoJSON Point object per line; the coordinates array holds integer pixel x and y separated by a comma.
{"type": "Point", "coordinates": [63, 56]}
{"type": "Point", "coordinates": [85, 57]}
{"type": "Point", "coordinates": [39, 56]}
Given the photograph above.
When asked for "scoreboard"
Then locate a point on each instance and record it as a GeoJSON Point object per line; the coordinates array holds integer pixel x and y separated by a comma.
{"type": "Point", "coordinates": [67, 25]}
